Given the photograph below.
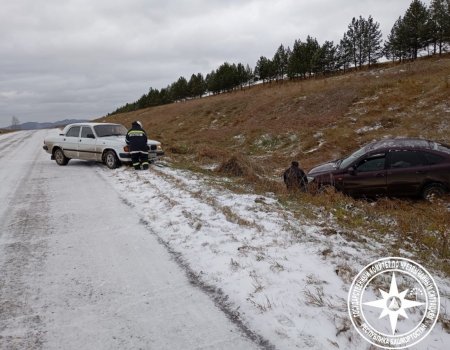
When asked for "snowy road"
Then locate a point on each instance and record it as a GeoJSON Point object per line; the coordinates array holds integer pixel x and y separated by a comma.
{"type": "Point", "coordinates": [79, 271]}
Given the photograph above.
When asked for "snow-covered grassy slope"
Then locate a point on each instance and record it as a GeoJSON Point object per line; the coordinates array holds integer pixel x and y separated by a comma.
{"type": "Point", "coordinates": [285, 278]}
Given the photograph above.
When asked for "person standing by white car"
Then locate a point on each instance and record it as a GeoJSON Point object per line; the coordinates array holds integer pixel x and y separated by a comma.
{"type": "Point", "coordinates": [136, 140]}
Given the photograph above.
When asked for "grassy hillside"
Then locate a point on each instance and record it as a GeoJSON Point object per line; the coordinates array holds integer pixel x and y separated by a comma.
{"type": "Point", "coordinates": [285, 121]}
{"type": "Point", "coordinates": [264, 128]}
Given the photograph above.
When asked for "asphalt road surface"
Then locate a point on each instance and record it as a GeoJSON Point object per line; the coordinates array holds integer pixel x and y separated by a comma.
{"type": "Point", "coordinates": [79, 271]}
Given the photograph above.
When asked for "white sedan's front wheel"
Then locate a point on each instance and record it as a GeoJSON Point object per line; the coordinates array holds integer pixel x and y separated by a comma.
{"type": "Point", "coordinates": [111, 160]}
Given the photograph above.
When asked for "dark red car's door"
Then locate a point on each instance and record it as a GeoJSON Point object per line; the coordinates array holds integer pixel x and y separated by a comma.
{"type": "Point", "coordinates": [407, 171]}
{"type": "Point", "coordinates": [368, 178]}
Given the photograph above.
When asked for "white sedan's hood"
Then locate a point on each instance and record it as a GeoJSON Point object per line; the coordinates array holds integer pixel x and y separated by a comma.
{"type": "Point", "coordinates": [120, 140]}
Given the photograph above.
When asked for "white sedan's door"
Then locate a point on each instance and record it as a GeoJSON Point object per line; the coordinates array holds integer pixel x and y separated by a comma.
{"type": "Point", "coordinates": [87, 144]}
{"type": "Point", "coordinates": [70, 142]}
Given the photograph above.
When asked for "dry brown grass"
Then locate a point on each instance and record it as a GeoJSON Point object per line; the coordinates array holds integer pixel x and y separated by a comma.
{"type": "Point", "coordinates": [239, 165]}
{"type": "Point", "coordinates": [280, 122]}
{"type": "Point", "coordinates": [254, 134]}
{"type": "Point", "coordinates": [419, 227]}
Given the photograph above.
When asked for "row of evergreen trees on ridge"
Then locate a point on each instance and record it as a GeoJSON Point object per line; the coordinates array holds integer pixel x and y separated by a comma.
{"type": "Point", "coordinates": [420, 29]}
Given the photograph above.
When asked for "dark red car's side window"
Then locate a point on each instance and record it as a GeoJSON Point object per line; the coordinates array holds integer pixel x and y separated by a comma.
{"type": "Point", "coordinates": [372, 164]}
{"type": "Point", "coordinates": [433, 158]}
{"type": "Point", "coordinates": [406, 159]}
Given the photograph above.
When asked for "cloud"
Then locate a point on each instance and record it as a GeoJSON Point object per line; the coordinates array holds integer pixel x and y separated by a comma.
{"type": "Point", "coordinates": [80, 58]}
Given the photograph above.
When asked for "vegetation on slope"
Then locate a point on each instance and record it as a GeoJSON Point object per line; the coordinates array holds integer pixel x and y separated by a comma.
{"type": "Point", "coordinates": [262, 129]}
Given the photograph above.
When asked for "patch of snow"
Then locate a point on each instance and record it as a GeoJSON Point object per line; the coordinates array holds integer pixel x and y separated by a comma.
{"type": "Point", "coordinates": [211, 166]}
{"type": "Point", "coordinates": [365, 129]}
{"type": "Point", "coordinates": [367, 99]}
{"type": "Point", "coordinates": [318, 134]}
{"type": "Point", "coordinates": [293, 137]}
{"type": "Point", "coordinates": [321, 143]}
{"type": "Point", "coordinates": [268, 141]}
{"type": "Point", "coordinates": [240, 139]}
{"type": "Point", "coordinates": [300, 98]}
{"type": "Point", "coordinates": [263, 138]}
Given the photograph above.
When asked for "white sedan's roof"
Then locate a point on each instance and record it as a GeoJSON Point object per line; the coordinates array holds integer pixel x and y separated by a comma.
{"type": "Point", "coordinates": [66, 128]}
{"type": "Point", "coordinates": [93, 124]}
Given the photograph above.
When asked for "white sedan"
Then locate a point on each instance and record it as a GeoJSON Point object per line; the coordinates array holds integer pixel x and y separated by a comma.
{"type": "Point", "coordinates": [102, 142]}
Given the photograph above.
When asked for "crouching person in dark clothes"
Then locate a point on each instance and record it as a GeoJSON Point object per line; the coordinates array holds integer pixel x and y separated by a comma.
{"type": "Point", "coordinates": [136, 140]}
{"type": "Point", "coordinates": [295, 178]}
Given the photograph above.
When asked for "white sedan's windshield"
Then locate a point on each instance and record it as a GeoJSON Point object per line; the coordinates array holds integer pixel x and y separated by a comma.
{"type": "Point", "coordinates": [110, 130]}
{"type": "Point", "coordinates": [350, 159]}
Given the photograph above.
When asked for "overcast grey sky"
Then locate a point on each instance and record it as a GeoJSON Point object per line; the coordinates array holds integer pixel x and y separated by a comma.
{"type": "Point", "coordinates": [84, 58]}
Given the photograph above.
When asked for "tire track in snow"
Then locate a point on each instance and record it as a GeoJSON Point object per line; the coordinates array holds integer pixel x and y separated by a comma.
{"type": "Point", "coordinates": [201, 197]}
{"type": "Point", "coordinates": [5, 137]}
{"type": "Point", "coordinates": [8, 144]}
{"type": "Point", "coordinates": [216, 294]}
{"type": "Point", "coordinates": [24, 227]}
{"type": "Point", "coordinates": [233, 216]}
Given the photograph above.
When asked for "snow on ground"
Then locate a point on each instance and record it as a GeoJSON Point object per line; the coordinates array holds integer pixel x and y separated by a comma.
{"type": "Point", "coordinates": [90, 258]}
{"type": "Point", "coordinates": [285, 279]}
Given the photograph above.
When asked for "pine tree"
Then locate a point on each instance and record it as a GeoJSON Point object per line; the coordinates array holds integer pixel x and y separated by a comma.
{"type": "Point", "coordinates": [396, 45]}
{"type": "Point", "coordinates": [226, 77]}
{"type": "Point", "coordinates": [241, 75]}
{"type": "Point", "coordinates": [280, 60]}
{"type": "Point", "coordinates": [344, 54]}
{"type": "Point", "coordinates": [311, 48]}
{"type": "Point", "coordinates": [355, 41]}
{"type": "Point", "coordinates": [212, 84]}
{"type": "Point", "coordinates": [329, 51]}
{"type": "Point", "coordinates": [245, 75]}
{"type": "Point", "coordinates": [196, 85]}
{"type": "Point", "coordinates": [179, 89]}
{"type": "Point", "coordinates": [262, 69]}
{"type": "Point", "coordinates": [301, 62]}
{"type": "Point", "coordinates": [417, 22]}
{"type": "Point", "coordinates": [440, 24]}
{"type": "Point", "coordinates": [372, 41]}
{"type": "Point", "coordinates": [294, 60]}
{"type": "Point", "coordinates": [249, 74]}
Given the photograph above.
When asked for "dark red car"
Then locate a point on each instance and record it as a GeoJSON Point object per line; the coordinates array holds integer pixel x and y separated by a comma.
{"type": "Point", "coordinates": [389, 167]}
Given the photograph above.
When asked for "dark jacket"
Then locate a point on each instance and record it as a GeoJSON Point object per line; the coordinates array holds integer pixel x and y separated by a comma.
{"type": "Point", "coordinates": [295, 178]}
{"type": "Point", "coordinates": [136, 139]}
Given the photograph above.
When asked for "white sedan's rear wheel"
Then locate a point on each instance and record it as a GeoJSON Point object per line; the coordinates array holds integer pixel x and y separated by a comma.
{"type": "Point", "coordinates": [60, 158]}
